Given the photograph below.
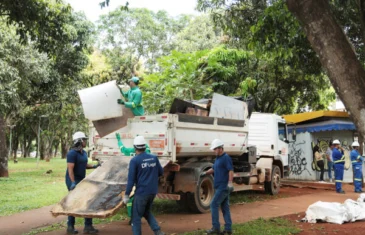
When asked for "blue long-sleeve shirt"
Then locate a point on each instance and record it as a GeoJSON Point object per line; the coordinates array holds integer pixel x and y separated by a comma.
{"type": "Point", "coordinates": [144, 171]}
{"type": "Point", "coordinates": [356, 158]}
{"type": "Point", "coordinates": [338, 157]}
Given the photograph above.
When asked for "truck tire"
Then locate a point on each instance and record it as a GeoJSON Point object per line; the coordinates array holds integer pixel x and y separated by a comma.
{"type": "Point", "coordinates": [273, 186]}
{"type": "Point", "coordinates": [199, 202]}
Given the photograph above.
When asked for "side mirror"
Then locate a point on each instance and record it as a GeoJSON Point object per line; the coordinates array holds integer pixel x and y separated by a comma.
{"type": "Point", "coordinates": [294, 134]}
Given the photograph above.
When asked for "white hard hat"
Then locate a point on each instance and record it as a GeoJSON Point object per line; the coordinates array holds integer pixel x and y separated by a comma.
{"type": "Point", "coordinates": [336, 142]}
{"type": "Point", "coordinates": [216, 143]}
{"type": "Point", "coordinates": [139, 142]}
{"type": "Point", "coordinates": [79, 135]}
{"type": "Point", "coordinates": [355, 144]}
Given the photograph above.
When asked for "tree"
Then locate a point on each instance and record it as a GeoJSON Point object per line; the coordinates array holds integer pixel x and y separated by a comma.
{"type": "Point", "coordinates": [128, 37]}
{"type": "Point", "coordinates": [200, 34]}
{"type": "Point", "coordinates": [41, 21]}
{"type": "Point", "coordinates": [38, 80]}
{"type": "Point", "coordinates": [335, 53]}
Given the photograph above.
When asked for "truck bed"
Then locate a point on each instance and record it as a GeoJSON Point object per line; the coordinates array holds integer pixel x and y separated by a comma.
{"type": "Point", "coordinates": [174, 136]}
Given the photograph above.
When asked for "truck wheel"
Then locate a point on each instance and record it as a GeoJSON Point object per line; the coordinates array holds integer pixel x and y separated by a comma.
{"type": "Point", "coordinates": [273, 186]}
{"type": "Point", "coordinates": [199, 202]}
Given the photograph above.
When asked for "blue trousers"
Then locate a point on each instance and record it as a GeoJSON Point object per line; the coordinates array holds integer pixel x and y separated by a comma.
{"type": "Point", "coordinates": [357, 177]}
{"type": "Point", "coordinates": [330, 166]}
{"type": "Point", "coordinates": [141, 207]}
{"type": "Point", "coordinates": [221, 199]}
{"type": "Point", "coordinates": [339, 170]}
{"type": "Point", "coordinates": [71, 219]}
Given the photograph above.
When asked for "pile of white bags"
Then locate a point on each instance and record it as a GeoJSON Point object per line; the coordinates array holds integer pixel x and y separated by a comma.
{"type": "Point", "coordinates": [337, 213]}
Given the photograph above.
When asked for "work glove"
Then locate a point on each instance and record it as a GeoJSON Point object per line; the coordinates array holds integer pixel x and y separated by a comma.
{"type": "Point", "coordinates": [96, 165]}
{"type": "Point", "coordinates": [73, 185]}
{"type": "Point", "coordinates": [203, 174]}
{"type": "Point", "coordinates": [230, 187]}
{"type": "Point", "coordinates": [126, 199]}
{"type": "Point", "coordinates": [120, 101]}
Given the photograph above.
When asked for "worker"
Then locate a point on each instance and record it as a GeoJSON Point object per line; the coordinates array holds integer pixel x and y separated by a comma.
{"type": "Point", "coordinates": [356, 160]}
{"type": "Point", "coordinates": [143, 173]}
{"type": "Point", "coordinates": [223, 176]}
{"type": "Point", "coordinates": [77, 163]}
{"type": "Point", "coordinates": [128, 151]}
{"type": "Point", "coordinates": [133, 97]}
{"type": "Point", "coordinates": [339, 163]}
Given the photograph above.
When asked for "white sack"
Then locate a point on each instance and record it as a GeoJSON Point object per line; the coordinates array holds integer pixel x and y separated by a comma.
{"type": "Point", "coordinates": [337, 213]}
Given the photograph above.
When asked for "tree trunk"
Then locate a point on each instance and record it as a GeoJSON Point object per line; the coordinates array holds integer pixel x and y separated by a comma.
{"type": "Point", "coordinates": [335, 53]}
{"type": "Point", "coordinates": [3, 150]}
{"type": "Point", "coordinates": [64, 148]}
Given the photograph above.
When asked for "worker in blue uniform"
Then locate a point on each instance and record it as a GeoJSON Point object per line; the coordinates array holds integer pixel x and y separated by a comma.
{"type": "Point", "coordinates": [144, 172]}
{"type": "Point", "coordinates": [77, 163]}
{"type": "Point", "coordinates": [339, 163]}
{"type": "Point", "coordinates": [356, 160]}
{"type": "Point", "coordinates": [223, 185]}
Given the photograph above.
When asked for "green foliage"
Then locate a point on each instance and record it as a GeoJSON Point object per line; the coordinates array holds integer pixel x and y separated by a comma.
{"type": "Point", "coordinates": [284, 75]}
{"type": "Point", "coordinates": [180, 77]}
{"type": "Point", "coordinates": [199, 34]}
{"type": "Point", "coordinates": [41, 21]}
{"type": "Point", "coordinates": [128, 37]}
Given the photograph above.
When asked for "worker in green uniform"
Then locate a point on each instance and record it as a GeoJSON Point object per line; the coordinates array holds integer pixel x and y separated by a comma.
{"type": "Point", "coordinates": [133, 97]}
{"type": "Point", "coordinates": [128, 151]}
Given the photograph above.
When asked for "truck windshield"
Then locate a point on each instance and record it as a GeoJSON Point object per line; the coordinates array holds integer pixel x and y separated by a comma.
{"type": "Point", "coordinates": [282, 131]}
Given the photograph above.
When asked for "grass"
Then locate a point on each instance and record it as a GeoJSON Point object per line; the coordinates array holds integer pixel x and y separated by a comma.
{"type": "Point", "coordinates": [29, 187]}
{"type": "Point", "coordinates": [274, 226]}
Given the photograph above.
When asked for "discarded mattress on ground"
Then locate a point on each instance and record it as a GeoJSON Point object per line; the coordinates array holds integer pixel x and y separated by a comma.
{"type": "Point", "coordinates": [337, 213]}
{"type": "Point", "coordinates": [100, 194]}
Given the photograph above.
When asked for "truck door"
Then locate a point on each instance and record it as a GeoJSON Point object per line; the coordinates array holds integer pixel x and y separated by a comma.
{"type": "Point", "coordinates": [283, 142]}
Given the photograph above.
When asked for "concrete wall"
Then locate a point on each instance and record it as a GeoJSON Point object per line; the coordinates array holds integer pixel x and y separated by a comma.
{"type": "Point", "coordinates": [301, 161]}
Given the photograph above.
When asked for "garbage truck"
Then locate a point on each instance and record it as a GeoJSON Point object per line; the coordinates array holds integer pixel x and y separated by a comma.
{"type": "Point", "coordinates": [258, 147]}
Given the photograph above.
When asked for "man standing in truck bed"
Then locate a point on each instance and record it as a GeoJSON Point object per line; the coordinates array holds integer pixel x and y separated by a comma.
{"type": "Point", "coordinates": [133, 97]}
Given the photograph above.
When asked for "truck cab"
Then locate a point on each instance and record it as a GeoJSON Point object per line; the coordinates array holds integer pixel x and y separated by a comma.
{"type": "Point", "coordinates": [268, 133]}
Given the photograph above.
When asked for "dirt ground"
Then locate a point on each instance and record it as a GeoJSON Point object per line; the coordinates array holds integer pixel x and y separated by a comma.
{"type": "Point", "coordinates": [355, 228]}
{"type": "Point", "coordinates": [291, 204]}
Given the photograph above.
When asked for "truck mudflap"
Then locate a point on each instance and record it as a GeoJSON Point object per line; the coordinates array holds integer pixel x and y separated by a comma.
{"type": "Point", "coordinates": [100, 194]}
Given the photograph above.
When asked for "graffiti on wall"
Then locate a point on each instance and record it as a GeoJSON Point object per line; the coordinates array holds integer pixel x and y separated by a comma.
{"type": "Point", "coordinates": [321, 146]}
{"type": "Point", "coordinates": [297, 159]}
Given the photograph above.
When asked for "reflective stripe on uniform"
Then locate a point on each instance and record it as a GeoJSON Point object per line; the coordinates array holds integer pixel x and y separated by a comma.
{"type": "Point", "coordinates": [357, 179]}
{"type": "Point", "coordinates": [339, 161]}
{"type": "Point", "coordinates": [339, 181]}
{"type": "Point", "coordinates": [354, 161]}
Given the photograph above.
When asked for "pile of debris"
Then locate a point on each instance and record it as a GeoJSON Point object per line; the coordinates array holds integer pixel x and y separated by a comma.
{"type": "Point", "coordinates": [337, 213]}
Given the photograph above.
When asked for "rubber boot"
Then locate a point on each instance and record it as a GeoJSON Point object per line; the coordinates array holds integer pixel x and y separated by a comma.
{"type": "Point", "coordinates": [159, 232]}
{"type": "Point", "coordinates": [71, 230]}
{"type": "Point", "coordinates": [213, 231]}
{"type": "Point", "coordinates": [89, 229]}
{"type": "Point", "coordinates": [227, 232]}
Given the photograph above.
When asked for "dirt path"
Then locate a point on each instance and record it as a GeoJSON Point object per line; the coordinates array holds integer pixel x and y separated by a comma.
{"type": "Point", "coordinates": [24, 222]}
{"type": "Point", "coordinates": [298, 201]}
{"type": "Point", "coordinates": [180, 223]}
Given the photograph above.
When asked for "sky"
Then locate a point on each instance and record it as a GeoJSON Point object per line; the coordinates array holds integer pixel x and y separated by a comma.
{"type": "Point", "coordinates": [173, 7]}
